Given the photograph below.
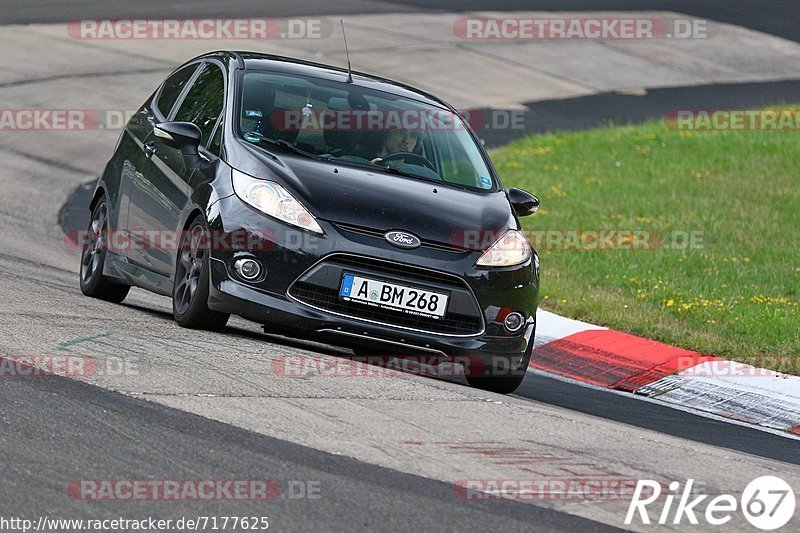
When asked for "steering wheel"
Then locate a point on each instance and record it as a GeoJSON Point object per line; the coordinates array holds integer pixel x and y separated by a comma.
{"type": "Point", "coordinates": [405, 156]}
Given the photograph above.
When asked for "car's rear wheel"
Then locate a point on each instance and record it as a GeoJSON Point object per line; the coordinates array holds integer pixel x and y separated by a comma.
{"type": "Point", "coordinates": [93, 259]}
{"type": "Point", "coordinates": [191, 288]}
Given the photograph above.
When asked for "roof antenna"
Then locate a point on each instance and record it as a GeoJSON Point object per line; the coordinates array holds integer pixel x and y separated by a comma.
{"type": "Point", "coordinates": [349, 74]}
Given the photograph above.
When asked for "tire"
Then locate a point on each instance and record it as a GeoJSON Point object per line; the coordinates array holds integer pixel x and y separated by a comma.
{"type": "Point", "coordinates": [505, 384]}
{"type": "Point", "coordinates": [93, 258]}
{"type": "Point", "coordinates": [191, 287]}
{"type": "Point", "coordinates": [500, 385]}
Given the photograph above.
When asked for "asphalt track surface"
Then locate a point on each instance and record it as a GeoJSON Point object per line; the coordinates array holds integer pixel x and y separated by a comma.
{"type": "Point", "coordinates": [778, 17]}
{"type": "Point", "coordinates": [613, 108]}
{"type": "Point", "coordinates": [65, 430]}
{"type": "Point", "coordinates": [214, 413]}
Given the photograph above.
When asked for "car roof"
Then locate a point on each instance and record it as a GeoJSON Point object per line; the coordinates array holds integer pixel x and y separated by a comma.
{"type": "Point", "coordinates": [289, 65]}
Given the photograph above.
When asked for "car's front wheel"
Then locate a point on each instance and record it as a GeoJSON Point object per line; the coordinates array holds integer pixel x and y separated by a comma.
{"type": "Point", "coordinates": [93, 259]}
{"type": "Point", "coordinates": [500, 385]}
{"type": "Point", "coordinates": [500, 379]}
{"type": "Point", "coordinates": [191, 287]}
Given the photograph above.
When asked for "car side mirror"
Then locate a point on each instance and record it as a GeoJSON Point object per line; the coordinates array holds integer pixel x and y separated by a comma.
{"type": "Point", "coordinates": [523, 202]}
{"type": "Point", "coordinates": [184, 136]}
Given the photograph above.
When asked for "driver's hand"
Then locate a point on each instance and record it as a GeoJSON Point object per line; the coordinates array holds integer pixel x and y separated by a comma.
{"type": "Point", "coordinates": [376, 160]}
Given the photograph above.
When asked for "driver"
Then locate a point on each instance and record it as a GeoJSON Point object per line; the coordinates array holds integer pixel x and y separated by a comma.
{"type": "Point", "coordinates": [397, 141]}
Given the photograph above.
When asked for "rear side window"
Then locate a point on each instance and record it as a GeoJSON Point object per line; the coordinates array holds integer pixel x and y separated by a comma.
{"type": "Point", "coordinates": [172, 89]}
{"type": "Point", "coordinates": [203, 103]}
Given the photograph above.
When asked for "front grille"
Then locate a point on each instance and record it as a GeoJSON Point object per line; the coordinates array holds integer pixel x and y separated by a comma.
{"type": "Point", "coordinates": [380, 234]}
{"type": "Point", "coordinates": [309, 289]}
{"type": "Point", "coordinates": [396, 269]}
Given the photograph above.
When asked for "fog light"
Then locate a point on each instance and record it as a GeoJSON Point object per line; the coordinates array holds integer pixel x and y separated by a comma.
{"type": "Point", "coordinates": [513, 322]}
{"type": "Point", "coordinates": [247, 268]}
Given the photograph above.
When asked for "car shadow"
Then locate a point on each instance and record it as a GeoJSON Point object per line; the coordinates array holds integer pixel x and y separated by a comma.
{"type": "Point", "coordinates": [378, 359]}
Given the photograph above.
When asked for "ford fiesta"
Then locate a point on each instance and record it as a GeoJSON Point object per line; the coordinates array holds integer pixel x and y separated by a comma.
{"type": "Point", "coordinates": [319, 203]}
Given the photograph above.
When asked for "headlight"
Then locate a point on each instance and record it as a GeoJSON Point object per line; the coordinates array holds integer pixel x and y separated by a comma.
{"type": "Point", "coordinates": [509, 250]}
{"type": "Point", "coordinates": [273, 200]}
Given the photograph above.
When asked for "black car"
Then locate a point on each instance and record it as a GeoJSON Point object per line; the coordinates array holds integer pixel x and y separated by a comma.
{"type": "Point", "coordinates": [320, 203]}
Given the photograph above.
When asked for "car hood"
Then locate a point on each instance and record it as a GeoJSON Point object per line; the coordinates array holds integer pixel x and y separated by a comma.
{"type": "Point", "coordinates": [380, 201]}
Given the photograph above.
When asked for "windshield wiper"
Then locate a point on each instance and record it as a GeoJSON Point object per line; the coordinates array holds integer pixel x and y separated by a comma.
{"type": "Point", "coordinates": [394, 170]}
{"type": "Point", "coordinates": [397, 171]}
{"type": "Point", "coordinates": [289, 146]}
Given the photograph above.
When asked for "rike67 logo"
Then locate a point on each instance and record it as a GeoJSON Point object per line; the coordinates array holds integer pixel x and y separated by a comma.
{"type": "Point", "coordinates": [768, 503]}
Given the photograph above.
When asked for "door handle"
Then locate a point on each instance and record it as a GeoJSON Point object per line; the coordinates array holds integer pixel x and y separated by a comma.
{"type": "Point", "coordinates": [149, 149]}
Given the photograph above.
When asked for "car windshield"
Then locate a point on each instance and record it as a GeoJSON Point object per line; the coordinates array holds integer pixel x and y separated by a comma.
{"type": "Point", "coordinates": [358, 126]}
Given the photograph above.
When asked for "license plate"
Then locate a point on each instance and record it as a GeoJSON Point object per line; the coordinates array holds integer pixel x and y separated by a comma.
{"type": "Point", "coordinates": [410, 300]}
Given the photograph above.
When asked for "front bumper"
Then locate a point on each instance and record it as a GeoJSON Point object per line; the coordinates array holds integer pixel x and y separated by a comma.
{"type": "Point", "coordinates": [288, 255]}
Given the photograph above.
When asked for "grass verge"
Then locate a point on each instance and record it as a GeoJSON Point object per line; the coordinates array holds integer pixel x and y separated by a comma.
{"type": "Point", "coordinates": [721, 214]}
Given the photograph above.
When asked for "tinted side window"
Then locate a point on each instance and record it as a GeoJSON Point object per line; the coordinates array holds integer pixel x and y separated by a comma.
{"type": "Point", "coordinates": [172, 89]}
{"type": "Point", "coordinates": [216, 142]}
{"type": "Point", "coordinates": [204, 101]}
